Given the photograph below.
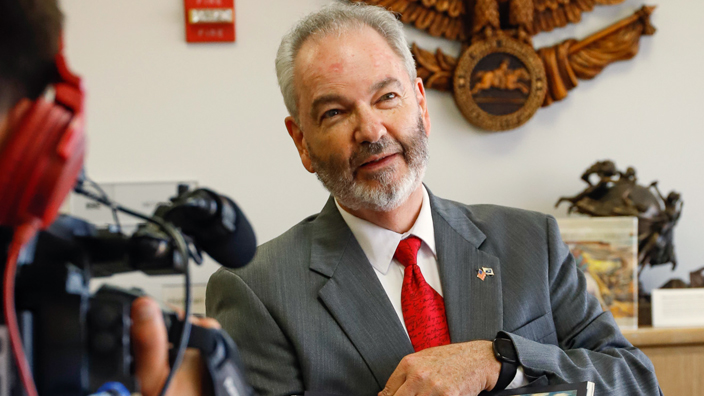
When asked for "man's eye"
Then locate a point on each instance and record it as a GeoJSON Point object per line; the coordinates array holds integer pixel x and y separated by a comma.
{"type": "Point", "coordinates": [330, 113]}
{"type": "Point", "coordinates": [389, 96]}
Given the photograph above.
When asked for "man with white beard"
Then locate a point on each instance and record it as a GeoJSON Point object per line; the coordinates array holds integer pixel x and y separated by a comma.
{"type": "Point", "coordinates": [390, 289]}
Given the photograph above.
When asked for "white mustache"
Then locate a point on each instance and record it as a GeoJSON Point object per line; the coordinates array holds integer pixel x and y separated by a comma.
{"type": "Point", "coordinates": [385, 146]}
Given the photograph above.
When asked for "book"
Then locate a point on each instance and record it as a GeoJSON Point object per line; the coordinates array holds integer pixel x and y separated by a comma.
{"type": "Point", "coordinates": [577, 389]}
{"type": "Point", "coordinates": [606, 250]}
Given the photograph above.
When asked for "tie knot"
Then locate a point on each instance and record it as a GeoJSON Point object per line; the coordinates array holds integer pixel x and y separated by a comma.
{"type": "Point", "coordinates": [407, 251]}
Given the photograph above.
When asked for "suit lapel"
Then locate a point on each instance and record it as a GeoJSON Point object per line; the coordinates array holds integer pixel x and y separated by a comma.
{"type": "Point", "coordinates": [474, 307]}
{"type": "Point", "coordinates": [354, 296]}
{"type": "Point", "coordinates": [356, 300]}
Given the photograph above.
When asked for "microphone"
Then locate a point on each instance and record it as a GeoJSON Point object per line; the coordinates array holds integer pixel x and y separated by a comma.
{"type": "Point", "coordinates": [216, 224]}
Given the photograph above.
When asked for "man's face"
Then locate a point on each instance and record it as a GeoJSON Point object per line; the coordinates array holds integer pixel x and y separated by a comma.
{"type": "Point", "coordinates": [363, 125]}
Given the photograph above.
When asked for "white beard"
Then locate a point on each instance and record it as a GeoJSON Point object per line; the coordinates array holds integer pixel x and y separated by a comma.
{"type": "Point", "coordinates": [338, 178]}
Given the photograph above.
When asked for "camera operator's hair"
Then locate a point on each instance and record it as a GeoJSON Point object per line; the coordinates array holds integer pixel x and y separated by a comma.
{"type": "Point", "coordinates": [29, 39]}
{"type": "Point", "coordinates": [337, 18]}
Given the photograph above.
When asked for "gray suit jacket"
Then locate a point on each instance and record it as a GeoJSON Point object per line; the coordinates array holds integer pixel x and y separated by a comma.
{"type": "Point", "coordinates": [309, 313]}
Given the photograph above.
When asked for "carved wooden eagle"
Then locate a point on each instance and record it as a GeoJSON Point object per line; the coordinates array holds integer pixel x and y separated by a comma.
{"type": "Point", "coordinates": [474, 21]}
{"type": "Point", "coordinates": [460, 19]}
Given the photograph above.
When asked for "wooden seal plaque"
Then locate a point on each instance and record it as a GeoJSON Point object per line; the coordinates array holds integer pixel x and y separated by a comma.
{"type": "Point", "coordinates": [499, 83]}
{"type": "Point", "coordinates": [499, 77]}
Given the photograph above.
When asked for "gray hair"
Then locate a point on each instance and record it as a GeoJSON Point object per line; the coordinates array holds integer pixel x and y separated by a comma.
{"type": "Point", "coordinates": [337, 18]}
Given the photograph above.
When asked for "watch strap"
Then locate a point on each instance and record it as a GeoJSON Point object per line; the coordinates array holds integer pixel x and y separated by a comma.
{"type": "Point", "coordinates": [508, 368]}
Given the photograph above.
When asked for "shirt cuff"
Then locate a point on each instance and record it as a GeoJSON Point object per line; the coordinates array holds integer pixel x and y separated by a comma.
{"type": "Point", "coordinates": [519, 380]}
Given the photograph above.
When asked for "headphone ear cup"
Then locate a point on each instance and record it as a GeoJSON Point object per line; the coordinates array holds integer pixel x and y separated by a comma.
{"type": "Point", "coordinates": [43, 153]}
{"type": "Point", "coordinates": [60, 175]}
{"type": "Point", "coordinates": [19, 144]}
{"type": "Point", "coordinates": [39, 163]}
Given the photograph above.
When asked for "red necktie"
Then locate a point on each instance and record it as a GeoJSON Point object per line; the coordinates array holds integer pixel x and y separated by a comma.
{"type": "Point", "coordinates": [423, 308]}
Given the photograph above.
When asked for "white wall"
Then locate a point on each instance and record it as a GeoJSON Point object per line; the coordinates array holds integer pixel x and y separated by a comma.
{"type": "Point", "coordinates": [161, 109]}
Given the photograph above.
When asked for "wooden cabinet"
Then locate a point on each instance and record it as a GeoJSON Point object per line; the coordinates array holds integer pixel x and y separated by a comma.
{"type": "Point", "coordinates": [678, 357]}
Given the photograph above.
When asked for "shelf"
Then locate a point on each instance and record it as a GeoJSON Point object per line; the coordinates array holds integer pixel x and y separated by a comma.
{"type": "Point", "coordinates": [649, 336]}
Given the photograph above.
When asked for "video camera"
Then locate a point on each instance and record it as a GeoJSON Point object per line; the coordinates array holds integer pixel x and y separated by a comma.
{"type": "Point", "coordinates": [77, 342]}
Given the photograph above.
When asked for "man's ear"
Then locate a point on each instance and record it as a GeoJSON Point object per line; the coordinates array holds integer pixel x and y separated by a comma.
{"type": "Point", "coordinates": [422, 103]}
{"type": "Point", "coordinates": [11, 118]}
{"type": "Point", "coordinates": [300, 141]}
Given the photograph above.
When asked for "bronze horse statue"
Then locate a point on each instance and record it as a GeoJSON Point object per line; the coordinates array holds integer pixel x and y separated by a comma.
{"type": "Point", "coordinates": [617, 193]}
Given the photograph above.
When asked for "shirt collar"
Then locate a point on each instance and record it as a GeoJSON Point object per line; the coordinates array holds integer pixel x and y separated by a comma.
{"type": "Point", "coordinates": [379, 244]}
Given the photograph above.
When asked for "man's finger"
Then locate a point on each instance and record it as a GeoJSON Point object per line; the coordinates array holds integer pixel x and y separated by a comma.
{"type": "Point", "coordinates": [407, 389]}
{"type": "Point", "coordinates": [209, 323]}
{"type": "Point", "coordinates": [396, 380]}
{"type": "Point", "coordinates": [150, 344]}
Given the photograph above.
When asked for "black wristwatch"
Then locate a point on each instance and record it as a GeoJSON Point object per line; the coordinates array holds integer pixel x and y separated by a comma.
{"type": "Point", "coordinates": [505, 353]}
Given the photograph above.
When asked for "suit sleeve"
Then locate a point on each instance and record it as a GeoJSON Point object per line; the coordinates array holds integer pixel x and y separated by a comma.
{"type": "Point", "coordinates": [269, 358]}
{"type": "Point", "coordinates": [590, 345]}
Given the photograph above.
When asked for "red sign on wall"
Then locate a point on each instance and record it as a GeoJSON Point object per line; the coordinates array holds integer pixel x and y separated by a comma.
{"type": "Point", "coordinates": [210, 21]}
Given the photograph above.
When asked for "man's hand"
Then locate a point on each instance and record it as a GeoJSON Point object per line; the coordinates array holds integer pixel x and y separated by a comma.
{"type": "Point", "coordinates": [151, 350]}
{"type": "Point", "coordinates": [456, 369]}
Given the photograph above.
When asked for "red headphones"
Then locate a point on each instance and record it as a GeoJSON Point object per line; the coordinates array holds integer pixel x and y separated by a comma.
{"type": "Point", "coordinates": [43, 154]}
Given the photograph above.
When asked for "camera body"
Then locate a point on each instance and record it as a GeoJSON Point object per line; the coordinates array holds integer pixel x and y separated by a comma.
{"type": "Point", "coordinates": [76, 341]}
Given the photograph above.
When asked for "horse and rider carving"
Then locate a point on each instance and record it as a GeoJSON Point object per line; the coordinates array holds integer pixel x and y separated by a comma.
{"type": "Point", "coordinates": [502, 78]}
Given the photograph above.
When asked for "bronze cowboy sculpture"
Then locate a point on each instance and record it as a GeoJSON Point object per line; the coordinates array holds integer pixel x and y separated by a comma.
{"type": "Point", "coordinates": [616, 193]}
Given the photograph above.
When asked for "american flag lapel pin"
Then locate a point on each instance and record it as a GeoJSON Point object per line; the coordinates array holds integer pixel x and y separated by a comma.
{"type": "Point", "coordinates": [481, 274]}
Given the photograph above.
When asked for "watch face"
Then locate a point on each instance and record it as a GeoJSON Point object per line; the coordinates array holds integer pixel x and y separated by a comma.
{"type": "Point", "coordinates": [505, 350]}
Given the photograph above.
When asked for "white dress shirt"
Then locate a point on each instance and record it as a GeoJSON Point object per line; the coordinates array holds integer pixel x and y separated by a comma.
{"type": "Point", "coordinates": [379, 245]}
